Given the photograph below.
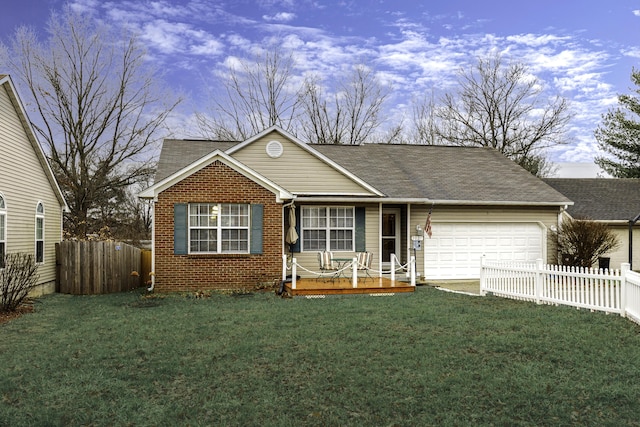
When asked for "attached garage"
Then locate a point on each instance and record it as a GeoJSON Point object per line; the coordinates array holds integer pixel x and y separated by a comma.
{"type": "Point", "coordinates": [455, 249]}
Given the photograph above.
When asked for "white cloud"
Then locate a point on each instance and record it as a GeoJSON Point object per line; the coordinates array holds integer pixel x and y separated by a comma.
{"type": "Point", "coordinates": [636, 12]}
{"type": "Point", "coordinates": [280, 17]}
{"type": "Point", "coordinates": [633, 52]}
{"type": "Point", "coordinates": [535, 39]}
{"type": "Point", "coordinates": [84, 6]}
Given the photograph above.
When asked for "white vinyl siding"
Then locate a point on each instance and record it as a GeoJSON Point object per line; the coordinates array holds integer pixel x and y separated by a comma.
{"type": "Point", "coordinates": [18, 159]}
{"type": "Point", "coordinates": [296, 169]}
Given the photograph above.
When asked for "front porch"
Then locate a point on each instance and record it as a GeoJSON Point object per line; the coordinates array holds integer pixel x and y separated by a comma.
{"type": "Point", "coordinates": [344, 286]}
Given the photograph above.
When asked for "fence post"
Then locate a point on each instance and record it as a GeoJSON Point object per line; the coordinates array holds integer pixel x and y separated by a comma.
{"type": "Point", "coordinates": [483, 258]}
{"type": "Point", "coordinates": [412, 269]}
{"type": "Point", "coordinates": [625, 267]}
{"type": "Point", "coordinates": [538, 284]}
{"type": "Point", "coordinates": [354, 270]}
{"type": "Point", "coordinates": [294, 270]}
{"type": "Point", "coordinates": [393, 267]}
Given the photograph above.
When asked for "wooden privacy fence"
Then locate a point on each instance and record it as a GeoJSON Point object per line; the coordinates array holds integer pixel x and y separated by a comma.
{"type": "Point", "coordinates": [86, 268]}
{"type": "Point", "coordinates": [613, 291]}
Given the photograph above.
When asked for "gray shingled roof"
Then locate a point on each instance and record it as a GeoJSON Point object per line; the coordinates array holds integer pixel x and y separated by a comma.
{"type": "Point", "coordinates": [442, 173]}
{"type": "Point", "coordinates": [435, 173]}
{"type": "Point", "coordinates": [179, 153]}
{"type": "Point", "coordinates": [604, 199]}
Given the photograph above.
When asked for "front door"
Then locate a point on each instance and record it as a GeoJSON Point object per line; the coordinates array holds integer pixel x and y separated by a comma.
{"type": "Point", "coordinates": [390, 236]}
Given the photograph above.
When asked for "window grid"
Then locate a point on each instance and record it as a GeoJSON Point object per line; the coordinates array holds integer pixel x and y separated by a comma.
{"type": "Point", "coordinates": [328, 228]}
{"type": "Point", "coordinates": [218, 228]}
{"type": "Point", "coordinates": [39, 233]}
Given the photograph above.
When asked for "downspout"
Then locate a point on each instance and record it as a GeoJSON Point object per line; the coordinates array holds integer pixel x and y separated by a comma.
{"type": "Point", "coordinates": [153, 246]}
{"type": "Point", "coordinates": [631, 223]}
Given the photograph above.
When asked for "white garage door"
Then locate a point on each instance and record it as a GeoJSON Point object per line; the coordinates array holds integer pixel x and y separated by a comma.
{"type": "Point", "coordinates": [455, 249]}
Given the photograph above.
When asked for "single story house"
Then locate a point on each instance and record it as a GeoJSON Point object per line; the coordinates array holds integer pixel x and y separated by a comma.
{"type": "Point", "coordinates": [612, 201]}
{"type": "Point", "coordinates": [222, 210]}
{"type": "Point", "coordinates": [31, 202]}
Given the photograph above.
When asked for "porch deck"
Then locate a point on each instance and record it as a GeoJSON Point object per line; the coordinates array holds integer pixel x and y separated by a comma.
{"type": "Point", "coordinates": [344, 286]}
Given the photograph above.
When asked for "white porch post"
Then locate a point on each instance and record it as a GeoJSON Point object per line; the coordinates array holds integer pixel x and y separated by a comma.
{"type": "Point", "coordinates": [284, 266]}
{"type": "Point", "coordinates": [293, 272]}
{"type": "Point", "coordinates": [413, 270]}
{"type": "Point", "coordinates": [393, 267]}
{"type": "Point", "coordinates": [354, 269]}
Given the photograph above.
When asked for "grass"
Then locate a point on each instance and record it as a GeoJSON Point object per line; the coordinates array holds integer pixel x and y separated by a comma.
{"type": "Point", "coordinates": [428, 358]}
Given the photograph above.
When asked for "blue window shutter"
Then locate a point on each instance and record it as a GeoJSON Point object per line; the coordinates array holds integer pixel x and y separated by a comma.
{"type": "Point", "coordinates": [361, 241]}
{"type": "Point", "coordinates": [257, 216]}
{"type": "Point", "coordinates": [296, 246]}
{"type": "Point", "coordinates": [180, 240]}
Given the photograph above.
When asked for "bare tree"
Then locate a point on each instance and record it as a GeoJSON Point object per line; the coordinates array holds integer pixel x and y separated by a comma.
{"type": "Point", "coordinates": [425, 129]}
{"type": "Point", "coordinates": [581, 241]}
{"type": "Point", "coordinates": [502, 107]}
{"type": "Point", "coordinates": [100, 104]}
{"type": "Point", "coordinates": [257, 93]}
{"type": "Point", "coordinates": [351, 115]}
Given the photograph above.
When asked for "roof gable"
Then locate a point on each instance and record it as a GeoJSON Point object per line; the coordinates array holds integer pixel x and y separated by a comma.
{"type": "Point", "coordinates": [217, 155]}
{"type": "Point", "coordinates": [299, 167]}
{"type": "Point", "coordinates": [7, 84]}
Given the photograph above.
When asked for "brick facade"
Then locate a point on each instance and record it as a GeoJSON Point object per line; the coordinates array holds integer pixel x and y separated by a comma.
{"type": "Point", "coordinates": [216, 183]}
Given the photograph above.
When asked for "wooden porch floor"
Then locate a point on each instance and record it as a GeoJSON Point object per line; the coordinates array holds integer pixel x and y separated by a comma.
{"type": "Point", "coordinates": [344, 286]}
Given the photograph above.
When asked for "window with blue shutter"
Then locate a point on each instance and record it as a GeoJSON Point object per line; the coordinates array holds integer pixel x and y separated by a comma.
{"type": "Point", "coordinates": [257, 217]}
{"type": "Point", "coordinates": [210, 228]}
{"type": "Point", "coordinates": [361, 241]}
{"type": "Point", "coordinates": [180, 229]}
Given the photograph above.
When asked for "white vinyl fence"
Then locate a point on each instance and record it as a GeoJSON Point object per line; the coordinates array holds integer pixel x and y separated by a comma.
{"type": "Point", "coordinates": [613, 291]}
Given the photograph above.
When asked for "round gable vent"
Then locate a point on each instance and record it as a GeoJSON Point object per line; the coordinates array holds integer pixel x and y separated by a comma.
{"type": "Point", "coordinates": [274, 149]}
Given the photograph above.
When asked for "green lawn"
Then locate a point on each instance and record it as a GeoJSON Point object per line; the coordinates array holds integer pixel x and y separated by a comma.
{"type": "Point", "coordinates": [428, 358]}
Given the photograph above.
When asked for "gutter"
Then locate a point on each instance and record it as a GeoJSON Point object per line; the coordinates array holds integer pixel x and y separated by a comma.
{"type": "Point", "coordinates": [388, 200]}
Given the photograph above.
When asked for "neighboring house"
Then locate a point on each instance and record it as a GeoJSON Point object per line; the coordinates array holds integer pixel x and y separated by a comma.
{"type": "Point", "coordinates": [221, 215]}
{"type": "Point", "coordinates": [31, 203]}
{"type": "Point", "coordinates": [612, 201]}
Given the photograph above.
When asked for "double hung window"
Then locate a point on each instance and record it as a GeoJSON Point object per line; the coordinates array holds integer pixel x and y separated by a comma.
{"type": "Point", "coordinates": [40, 233]}
{"type": "Point", "coordinates": [218, 228]}
{"type": "Point", "coordinates": [328, 228]}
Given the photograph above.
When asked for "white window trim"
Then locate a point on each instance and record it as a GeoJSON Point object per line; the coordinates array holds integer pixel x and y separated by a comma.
{"type": "Point", "coordinates": [39, 215]}
{"type": "Point", "coordinates": [219, 228]}
{"type": "Point", "coordinates": [328, 228]}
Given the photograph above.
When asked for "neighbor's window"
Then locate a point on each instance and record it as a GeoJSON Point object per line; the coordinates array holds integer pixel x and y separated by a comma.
{"type": "Point", "coordinates": [218, 228]}
{"type": "Point", "coordinates": [3, 230]}
{"type": "Point", "coordinates": [40, 233]}
{"type": "Point", "coordinates": [327, 228]}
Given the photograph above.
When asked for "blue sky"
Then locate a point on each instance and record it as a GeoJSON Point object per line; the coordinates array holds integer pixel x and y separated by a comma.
{"type": "Point", "coordinates": [582, 50]}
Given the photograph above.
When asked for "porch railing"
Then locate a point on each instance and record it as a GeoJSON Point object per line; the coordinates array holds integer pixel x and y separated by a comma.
{"type": "Point", "coordinates": [613, 291]}
{"type": "Point", "coordinates": [353, 266]}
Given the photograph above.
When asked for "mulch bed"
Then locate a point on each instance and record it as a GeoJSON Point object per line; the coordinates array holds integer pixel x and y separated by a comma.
{"type": "Point", "coordinates": [25, 308]}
